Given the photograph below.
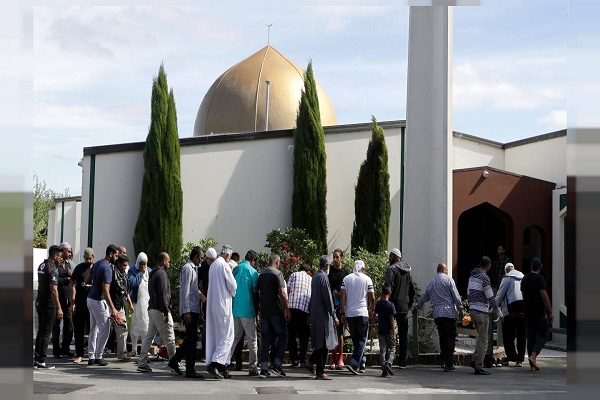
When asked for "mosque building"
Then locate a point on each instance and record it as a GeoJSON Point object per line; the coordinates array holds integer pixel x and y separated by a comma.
{"type": "Point", "coordinates": [237, 170]}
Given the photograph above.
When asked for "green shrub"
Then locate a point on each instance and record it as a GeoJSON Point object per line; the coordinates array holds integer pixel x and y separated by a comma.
{"type": "Point", "coordinates": [177, 262]}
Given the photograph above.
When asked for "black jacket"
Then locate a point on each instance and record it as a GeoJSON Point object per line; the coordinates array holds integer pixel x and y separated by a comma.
{"type": "Point", "coordinates": [159, 289]}
{"type": "Point", "coordinates": [403, 290]}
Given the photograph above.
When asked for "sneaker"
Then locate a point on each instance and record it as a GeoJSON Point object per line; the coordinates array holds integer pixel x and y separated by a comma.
{"type": "Point", "coordinates": [226, 375]}
{"type": "Point", "coordinates": [303, 365]}
{"type": "Point", "coordinates": [264, 374]}
{"type": "Point", "coordinates": [481, 371]}
{"type": "Point", "coordinates": [362, 369]}
{"type": "Point", "coordinates": [144, 368]}
{"type": "Point", "coordinates": [449, 368]}
{"type": "Point", "coordinates": [296, 364]}
{"type": "Point", "coordinates": [340, 365]}
{"type": "Point", "coordinates": [42, 365]}
{"type": "Point", "coordinates": [402, 365]}
{"type": "Point", "coordinates": [350, 368]}
{"type": "Point", "coordinates": [332, 366]}
{"type": "Point", "coordinates": [238, 367]}
{"type": "Point", "coordinates": [174, 365]}
{"type": "Point", "coordinates": [384, 373]}
{"type": "Point", "coordinates": [278, 371]}
{"type": "Point", "coordinates": [90, 362]}
{"type": "Point", "coordinates": [100, 361]}
{"type": "Point", "coordinates": [518, 364]}
{"type": "Point", "coordinates": [253, 372]}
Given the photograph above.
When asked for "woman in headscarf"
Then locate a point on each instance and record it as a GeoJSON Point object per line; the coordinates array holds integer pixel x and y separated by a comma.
{"type": "Point", "coordinates": [138, 279]}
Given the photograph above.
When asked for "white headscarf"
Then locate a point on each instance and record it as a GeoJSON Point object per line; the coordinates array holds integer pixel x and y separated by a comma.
{"type": "Point", "coordinates": [359, 265]}
{"type": "Point", "coordinates": [142, 257]}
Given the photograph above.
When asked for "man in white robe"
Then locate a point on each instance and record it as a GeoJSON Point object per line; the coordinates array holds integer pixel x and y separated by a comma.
{"type": "Point", "coordinates": [219, 316]}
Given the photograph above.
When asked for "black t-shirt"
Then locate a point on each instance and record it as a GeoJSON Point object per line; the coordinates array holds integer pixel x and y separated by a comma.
{"type": "Point", "coordinates": [531, 285]}
{"type": "Point", "coordinates": [383, 309]}
{"type": "Point", "coordinates": [336, 276]}
{"type": "Point", "coordinates": [269, 281]}
{"type": "Point", "coordinates": [81, 272]}
{"type": "Point", "coordinates": [47, 275]}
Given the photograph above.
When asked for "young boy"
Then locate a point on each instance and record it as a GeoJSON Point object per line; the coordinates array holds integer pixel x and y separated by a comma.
{"type": "Point", "coordinates": [386, 313]}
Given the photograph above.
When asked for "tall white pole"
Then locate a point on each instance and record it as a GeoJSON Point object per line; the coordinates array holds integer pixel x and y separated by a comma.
{"type": "Point", "coordinates": [427, 230]}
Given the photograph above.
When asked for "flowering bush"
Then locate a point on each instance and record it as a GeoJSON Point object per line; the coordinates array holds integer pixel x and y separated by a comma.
{"type": "Point", "coordinates": [294, 247]}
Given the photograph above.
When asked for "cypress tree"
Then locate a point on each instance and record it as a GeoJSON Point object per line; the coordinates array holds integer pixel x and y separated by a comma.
{"type": "Point", "coordinates": [372, 206]}
{"type": "Point", "coordinates": [310, 176]}
{"type": "Point", "coordinates": [159, 224]}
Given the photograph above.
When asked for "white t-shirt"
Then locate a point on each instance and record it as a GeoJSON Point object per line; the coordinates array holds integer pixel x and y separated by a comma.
{"type": "Point", "coordinates": [357, 286]}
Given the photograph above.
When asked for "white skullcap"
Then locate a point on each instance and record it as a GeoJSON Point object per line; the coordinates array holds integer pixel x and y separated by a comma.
{"type": "Point", "coordinates": [509, 265]}
{"type": "Point", "coordinates": [396, 252]}
{"type": "Point", "coordinates": [211, 253]}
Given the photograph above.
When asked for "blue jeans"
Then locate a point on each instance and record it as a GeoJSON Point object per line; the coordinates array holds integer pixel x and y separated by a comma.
{"type": "Point", "coordinates": [359, 328]}
{"type": "Point", "coordinates": [272, 326]}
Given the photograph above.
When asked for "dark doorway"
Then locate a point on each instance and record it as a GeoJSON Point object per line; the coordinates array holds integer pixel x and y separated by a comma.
{"type": "Point", "coordinates": [480, 230]}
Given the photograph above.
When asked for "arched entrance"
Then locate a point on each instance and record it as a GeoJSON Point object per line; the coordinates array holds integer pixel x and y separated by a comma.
{"type": "Point", "coordinates": [480, 230]}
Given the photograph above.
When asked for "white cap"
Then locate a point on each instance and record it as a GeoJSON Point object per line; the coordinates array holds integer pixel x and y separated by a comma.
{"type": "Point", "coordinates": [396, 252]}
{"type": "Point", "coordinates": [211, 253]}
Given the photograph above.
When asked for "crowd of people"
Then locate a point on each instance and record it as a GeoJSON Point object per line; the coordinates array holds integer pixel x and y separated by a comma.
{"type": "Point", "coordinates": [271, 314]}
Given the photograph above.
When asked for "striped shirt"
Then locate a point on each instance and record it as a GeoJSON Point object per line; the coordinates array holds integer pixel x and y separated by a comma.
{"type": "Point", "coordinates": [299, 289]}
{"type": "Point", "coordinates": [443, 294]}
{"type": "Point", "coordinates": [480, 294]}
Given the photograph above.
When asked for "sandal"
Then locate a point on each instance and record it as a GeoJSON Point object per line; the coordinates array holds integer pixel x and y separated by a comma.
{"type": "Point", "coordinates": [323, 377]}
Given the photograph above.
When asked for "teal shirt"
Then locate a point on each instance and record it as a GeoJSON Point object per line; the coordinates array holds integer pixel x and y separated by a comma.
{"type": "Point", "coordinates": [247, 284]}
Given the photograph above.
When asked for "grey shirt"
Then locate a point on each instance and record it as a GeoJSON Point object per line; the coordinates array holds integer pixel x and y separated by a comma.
{"type": "Point", "coordinates": [189, 298]}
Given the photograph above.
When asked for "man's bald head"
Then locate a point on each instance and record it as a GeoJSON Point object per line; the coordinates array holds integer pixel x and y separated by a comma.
{"type": "Point", "coordinates": [442, 268]}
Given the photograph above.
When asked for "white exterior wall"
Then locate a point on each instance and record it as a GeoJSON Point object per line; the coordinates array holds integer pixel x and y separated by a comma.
{"type": "Point", "coordinates": [469, 153]}
{"type": "Point", "coordinates": [67, 229]}
{"type": "Point", "coordinates": [235, 191]}
{"type": "Point", "coordinates": [546, 159]}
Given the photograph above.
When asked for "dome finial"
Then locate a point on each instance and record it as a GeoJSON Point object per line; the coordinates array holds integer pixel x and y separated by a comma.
{"type": "Point", "coordinates": [269, 33]}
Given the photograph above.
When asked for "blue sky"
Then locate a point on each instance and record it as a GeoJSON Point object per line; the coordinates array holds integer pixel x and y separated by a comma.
{"type": "Point", "coordinates": [93, 67]}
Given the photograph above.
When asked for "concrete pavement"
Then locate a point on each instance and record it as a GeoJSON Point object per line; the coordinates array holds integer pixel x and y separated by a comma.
{"type": "Point", "coordinates": [122, 378]}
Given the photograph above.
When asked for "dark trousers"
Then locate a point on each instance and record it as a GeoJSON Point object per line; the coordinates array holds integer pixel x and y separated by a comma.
{"type": "Point", "coordinates": [359, 328]}
{"type": "Point", "coordinates": [318, 358]}
{"type": "Point", "coordinates": [447, 333]}
{"type": "Point", "coordinates": [46, 315]}
{"type": "Point", "coordinates": [514, 327]}
{"type": "Point", "coordinates": [187, 348]}
{"type": "Point", "coordinates": [273, 326]}
{"type": "Point", "coordinates": [59, 347]}
{"type": "Point", "coordinates": [81, 323]}
{"type": "Point", "coordinates": [402, 322]}
{"type": "Point", "coordinates": [298, 328]}
{"type": "Point", "coordinates": [537, 332]}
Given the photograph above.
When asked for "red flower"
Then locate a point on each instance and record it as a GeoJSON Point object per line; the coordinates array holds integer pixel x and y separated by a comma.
{"type": "Point", "coordinates": [285, 263]}
{"type": "Point", "coordinates": [293, 259]}
{"type": "Point", "coordinates": [284, 246]}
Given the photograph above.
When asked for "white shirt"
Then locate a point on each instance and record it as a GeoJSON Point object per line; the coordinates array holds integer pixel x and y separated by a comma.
{"type": "Point", "coordinates": [357, 285]}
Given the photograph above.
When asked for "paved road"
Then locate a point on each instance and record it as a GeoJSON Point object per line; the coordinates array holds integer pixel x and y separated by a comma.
{"type": "Point", "coordinates": [122, 378]}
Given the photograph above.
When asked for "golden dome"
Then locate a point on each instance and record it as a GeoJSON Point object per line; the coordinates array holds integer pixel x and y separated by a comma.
{"type": "Point", "coordinates": [236, 101]}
